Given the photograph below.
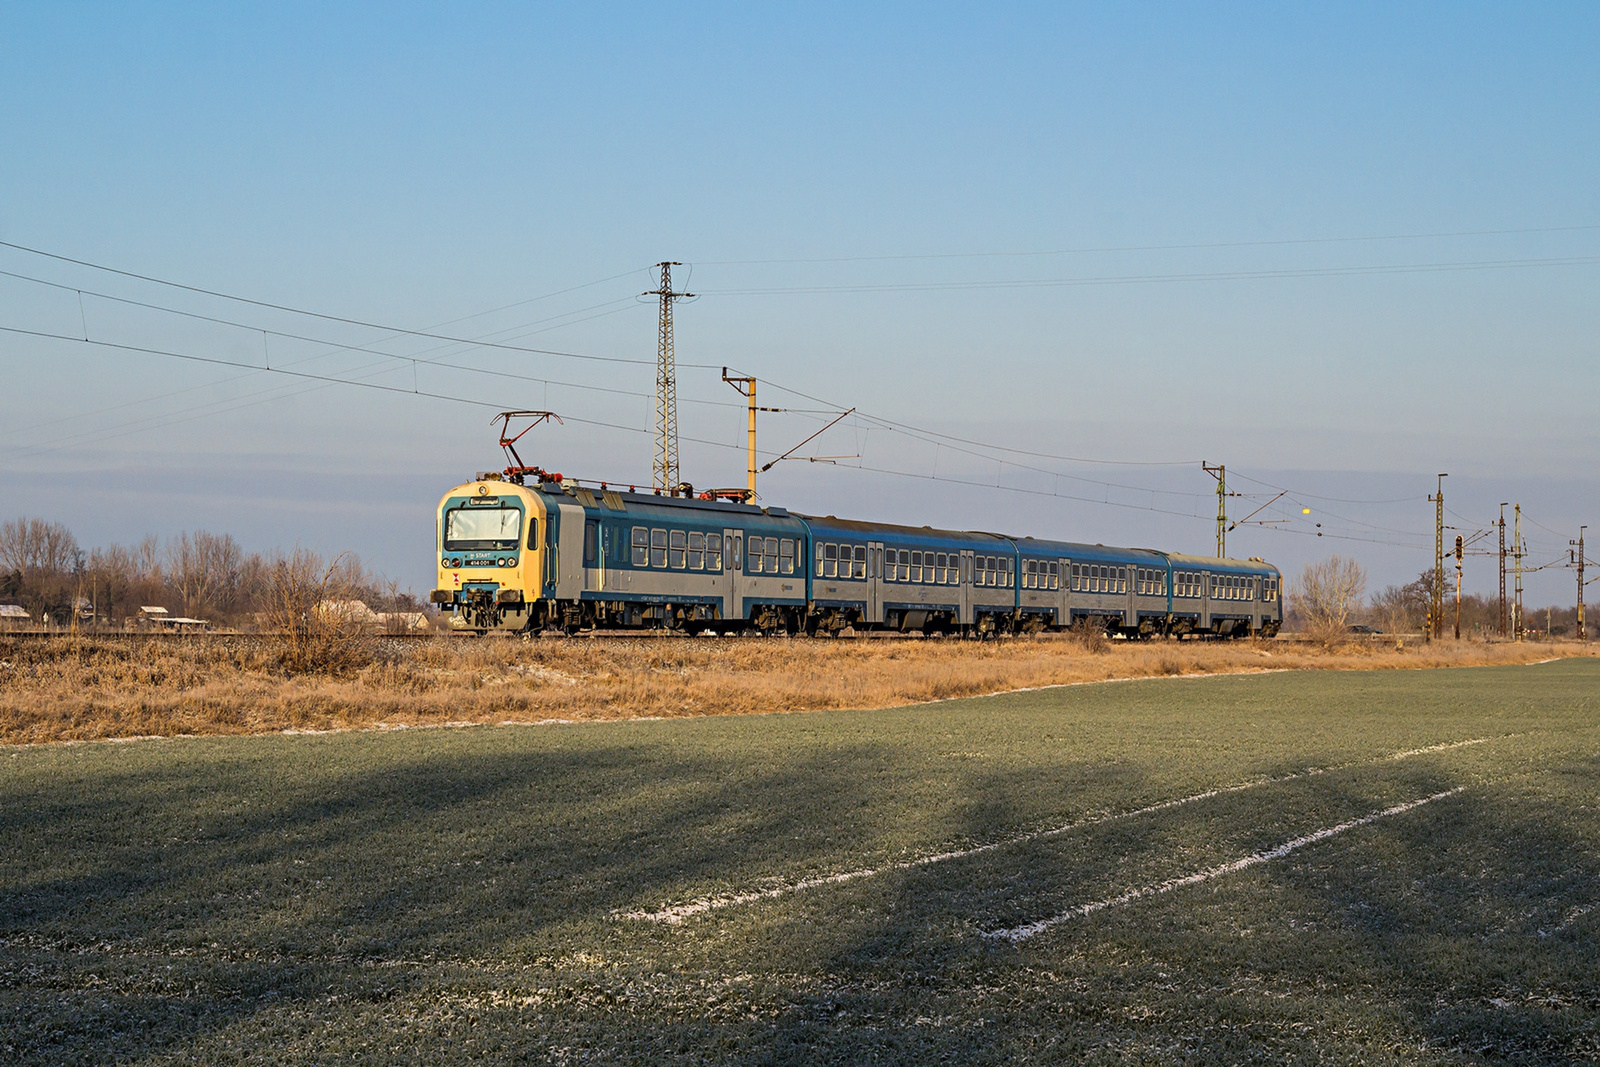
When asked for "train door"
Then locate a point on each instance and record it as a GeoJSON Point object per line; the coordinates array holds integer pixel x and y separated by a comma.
{"type": "Point", "coordinates": [732, 564]}
{"type": "Point", "coordinates": [1062, 596]}
{"type": "Point", "coordinates": [1205, 600]}
{"type": "Point", "coordinates": [965, 615]}
{"type": "Point", "coordinates": [875, 581]}
{"type": "Point", "coordinates": [594, 557]}
{"type": "Point", "coordinates": [1066, 592]}
{"type": "Point", "coordinates": [568, 545]}
{"type": "Point", "coordinates": [1130, 609]}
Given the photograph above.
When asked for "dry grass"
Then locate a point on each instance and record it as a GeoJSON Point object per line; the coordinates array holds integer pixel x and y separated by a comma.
{"type": "Point", "coordinates": [89, 688]}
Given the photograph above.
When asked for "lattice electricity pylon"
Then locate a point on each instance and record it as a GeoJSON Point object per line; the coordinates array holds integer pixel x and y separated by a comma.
{"type": "Point", "coordinates": [664, 472]}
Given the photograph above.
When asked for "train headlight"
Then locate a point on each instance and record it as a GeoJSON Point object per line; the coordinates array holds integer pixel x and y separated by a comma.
{"type": "Point", "coordinates": [445, 562]}
{"type": "Point", "coordinates": [505, 562]}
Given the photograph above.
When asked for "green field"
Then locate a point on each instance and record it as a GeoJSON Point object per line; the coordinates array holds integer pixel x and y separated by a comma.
{"type": "Point", "coordinates": [501, 893]}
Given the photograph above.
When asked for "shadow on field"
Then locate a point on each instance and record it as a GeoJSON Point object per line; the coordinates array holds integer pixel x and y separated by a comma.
{"type": "Point", "coordinates": [155, 896]}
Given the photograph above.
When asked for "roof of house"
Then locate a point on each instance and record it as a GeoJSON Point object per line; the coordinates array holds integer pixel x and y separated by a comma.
{"type": "Point", "coordinates": [13, 611]}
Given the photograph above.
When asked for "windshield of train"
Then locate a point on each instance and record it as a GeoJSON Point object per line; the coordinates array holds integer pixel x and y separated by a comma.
{"type": "Point", "coordinates": [472, 529]}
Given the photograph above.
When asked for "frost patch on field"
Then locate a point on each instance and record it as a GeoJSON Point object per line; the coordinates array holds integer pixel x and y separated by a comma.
{"type": "Point", "coordinates": [1018, 934]}
{"type": "Point", "coordinates": [676, 913]}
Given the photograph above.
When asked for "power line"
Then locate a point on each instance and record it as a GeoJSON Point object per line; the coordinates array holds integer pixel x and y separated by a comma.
{"type": "Point", "coordinates": [497, 405]}
{"type": "Point", "coordinates": [362, 348]}
{"type": "Point", "coordinates": [1146, 248]}
{"type": "Point", "coordinates": [1139, 279]}
{"type": "Point", "coordinates": [330, 318]}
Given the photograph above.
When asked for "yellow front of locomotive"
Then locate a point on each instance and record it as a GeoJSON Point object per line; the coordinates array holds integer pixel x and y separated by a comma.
{"type": "Point", "coordinates": [491, 555]}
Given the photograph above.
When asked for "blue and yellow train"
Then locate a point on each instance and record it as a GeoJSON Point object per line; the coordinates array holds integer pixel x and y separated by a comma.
{"type": "Point", "coordinates": [560, 556]}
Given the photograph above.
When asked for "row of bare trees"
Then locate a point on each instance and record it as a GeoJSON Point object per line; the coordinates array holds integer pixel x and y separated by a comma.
{"type": "Point", "coordinates": [198, 574]}
{"type": "Point", "coordinates": [1329, 597]}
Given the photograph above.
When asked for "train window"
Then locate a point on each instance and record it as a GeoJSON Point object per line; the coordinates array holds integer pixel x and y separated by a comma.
{"type": "Point", "coordinates": [828, 556]}
{"type": "Point", "coordinates": [755, 561]}
{"type": "Point", "coordinates": [1030, 574]}
{"type": "Point", "coordinates": [786, 556]}
{"type": "Point", "coordinates": [591, 543]}
{"type": "Point", "coordinates": [861, 562]}
{"type": "Point", "coordinates": [1076, 577]}
{"type": "Point", "coordinates": [533, 533]}
{"type": "Point", "coordinates": [658, 548]}
{"type": "Point", "coordinates": [1055, 575]}
{"type": "Point", "coordinates": [713, 552]}
{"type": "Point", "coordinates": [770, 550]}
{"type": "Point", "coordinates": [942, 568]}
{"type": "Point", "coordinates": [736, 550]}
{"type": "Point", "coordinates": [679, 544]}
{"type": "Point", "coordinates": [980, 570]}
{"type": "Point", "coordinates": [641, 547]}
{"type": "Point", "coordinates": [697, 551]}
{"type": "Point", "coordinates": [904, 570]}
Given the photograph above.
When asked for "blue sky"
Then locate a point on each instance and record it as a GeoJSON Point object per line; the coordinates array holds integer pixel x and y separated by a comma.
{"type": "Point", "coordinates": [1152, 234]}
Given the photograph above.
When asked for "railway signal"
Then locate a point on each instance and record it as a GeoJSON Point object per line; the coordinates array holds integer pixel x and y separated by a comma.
{"type": "Point", "coordinates": [1460, 548]}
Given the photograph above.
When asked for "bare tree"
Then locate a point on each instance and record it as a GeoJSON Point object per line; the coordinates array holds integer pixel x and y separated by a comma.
{"type": "Point", "coordinates": [1328, 594]}
{"type": "Point", "coordinates": [48, 560]}
{"type": "Point", "coordinates": [1403, 608]}
{"type": "Point", "coordinates": [204, 571]}
{"type": "Point", "coordinates": [313, 639]}
{"type": "Point", "coordinates": [36, 547]}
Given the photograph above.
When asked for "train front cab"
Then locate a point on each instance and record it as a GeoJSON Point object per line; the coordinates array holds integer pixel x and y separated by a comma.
{"type": "Point", "coordinates": [491, 552]}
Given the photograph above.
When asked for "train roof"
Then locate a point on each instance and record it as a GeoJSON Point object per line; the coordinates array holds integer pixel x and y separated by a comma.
{"type": "Point", "coordinates": [1253, 566]}
{"type": "Point", "coordinates": [826, 523]}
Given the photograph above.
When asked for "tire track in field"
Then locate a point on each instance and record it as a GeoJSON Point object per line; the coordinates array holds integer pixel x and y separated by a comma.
{"type": "Point", "coordinates": [1018, 934]}
{"type": "Point", "coordinates": [673, 914]}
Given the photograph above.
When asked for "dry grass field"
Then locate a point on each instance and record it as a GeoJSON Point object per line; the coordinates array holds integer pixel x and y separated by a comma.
{"type": "Point", "coordinates": [92, 688]}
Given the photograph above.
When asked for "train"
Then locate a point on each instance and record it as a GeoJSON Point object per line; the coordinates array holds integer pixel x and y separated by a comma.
{"type": "Point", "coordinates": [546, 554]}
